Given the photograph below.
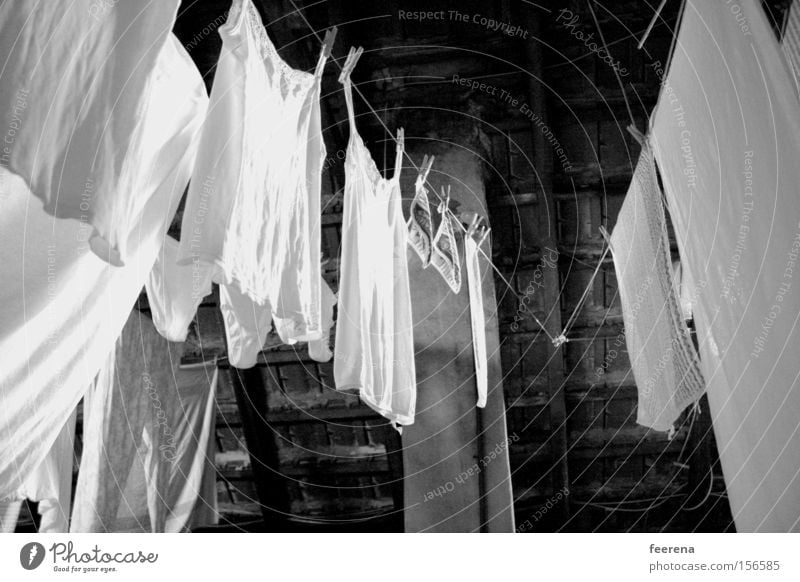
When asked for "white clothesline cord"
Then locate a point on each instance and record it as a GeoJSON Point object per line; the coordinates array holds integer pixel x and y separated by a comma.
{"type": "Point", "coordinates": [556, 341]}
{"type": "Point", "coordinates": [651, 25]}
{"type": "Point", "coordinates": [562, 338]}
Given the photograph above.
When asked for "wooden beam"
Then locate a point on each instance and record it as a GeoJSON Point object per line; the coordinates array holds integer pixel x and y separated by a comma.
{"type": "Point", "coordinates": [543, 221]}
{"type": "Point", "coordinates": [271, 486]}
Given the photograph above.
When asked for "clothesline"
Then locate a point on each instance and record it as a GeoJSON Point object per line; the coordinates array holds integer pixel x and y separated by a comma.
{"type": "Point", "coordinates": [556, 340]}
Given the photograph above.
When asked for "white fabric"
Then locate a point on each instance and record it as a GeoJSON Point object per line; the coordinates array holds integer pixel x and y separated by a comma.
{"type": "Point", "coordinates": [477, 317]}
{"type": "Point", "coordinates": [174, 291]}
{"type": "Point", "coordinates": [725, 134]}
{"type": "Point", "coordinates": [50, 484]}
{"type": "Point", "coordinates": [444, 250]}
{"type": "Point", "coordinates": [374, 349]}
{"type": "Point", "coordinates": [62, 308]}
{"type": "Point", "coordinates": [663, 358]}
{"type": "Point", "coordinates": [319, 350]}
{"type": "Point", "coordinates": [683, 289]}
{"type": "Point", "coordinates": [77, 94]}
{"type": "Point", "coordinates": [248, 324]}
{"type": "Point", "coordinates": [253, 209]}
{"type": "Point", "coordinates": [147, 427]}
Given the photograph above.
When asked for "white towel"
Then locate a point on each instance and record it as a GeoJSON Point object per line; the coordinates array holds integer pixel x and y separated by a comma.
{"type": "Point", "coordinates": [725, 138]}
{"type": "Point", "coordinates": [663, 359]}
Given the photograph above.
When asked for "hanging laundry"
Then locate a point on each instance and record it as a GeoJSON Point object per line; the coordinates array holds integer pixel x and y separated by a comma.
{"type": "Point", "coordinates": [175, 291]}
{"type": "Point", "coordinates": [50, 484]}
{"type": "Point", "coordinates": [444, 253]}
{"type": "Point", "coordinates": [663, 359]}
{"type": "Point", "coordinates": [248, 324]}
{"type": "Point", "coordinates": [61, 307]}
{"type": "Point", "coordinates": [79, 93]}
{"type": "Point", "coordinates": [253, 208]}
{"type": "Point", "coordinates": [477, 317]}
{"type": "Point", "coordinates": [319, 350]}
{"type": "Point", "coordinates": [420, 224]}
{"type": "Point", "coordinates": [374, 349]}
{"type": "Point", "coordinates": [148, 444]}
{"type": "Point", "coordinates": [725, 138]}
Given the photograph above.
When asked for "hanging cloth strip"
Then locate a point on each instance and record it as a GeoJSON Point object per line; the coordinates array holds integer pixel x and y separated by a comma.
{"type": "Point", "coordinates": [374, 349]}
{"type": "Point", "coordinates": [253, 208]}
{"type": "Point", "coordinates": [663, 359]}
{"type": "Point", "coordinates": [148, 439]}
{"type": "Point", "coordinates": [420, 224]}
{"type": "Point", "coordinates": [61, 307]}
{"type": "Point", "coordinates": [50, 484]}
{"type": "Point", "coordinates": [175, 291]}
{"type": "Point", "coordinates": [727, 151]}
{"type": "Point", "coordinates": [444, 254]}
{"type": "Point", "coordinates": [83, 121]}
{"type": "Point", "coordinates": [477, 317]}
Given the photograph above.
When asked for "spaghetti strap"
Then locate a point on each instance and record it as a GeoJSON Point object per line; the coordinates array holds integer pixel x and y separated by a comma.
{"type": "Point", "coordinates": [344, 79]}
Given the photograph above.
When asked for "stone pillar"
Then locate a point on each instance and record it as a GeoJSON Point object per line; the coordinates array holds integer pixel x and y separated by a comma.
{"type": "Point", "coordinates": [455, 455]}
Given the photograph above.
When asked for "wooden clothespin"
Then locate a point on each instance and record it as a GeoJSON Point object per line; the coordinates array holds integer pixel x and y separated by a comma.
{"type": "Point", "coordinates": [352, 59]}
{"type": "Point", "coordinates": [327, 43]}
{"type": "Point", "coordinates": [486, 230]}
{"type": "Point", "coordinates": [425, 168]}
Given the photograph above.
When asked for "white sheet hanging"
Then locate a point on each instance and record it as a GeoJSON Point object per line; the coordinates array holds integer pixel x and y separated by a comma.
{"type": "Point", "coordinates": [175, 291]}
{"type": "Point", "coordinates": [320, 350]}
{"type": "Point", "coordinates": [725, 137]}
{"type": "Point", "coordinates": [663, 359]}
{"type": "Point", "coordinates": [50, 484]}
{"type": "Point", "coordinates": [76, 89]}
{"type": "Point", "coordinates": [477, 317]}
{"type": "Point", "coordinates": [147, 435]}
{"type": "Point", "coordinates": [62, 308]}
{"type": "Point", "coordinates": [253, 209]}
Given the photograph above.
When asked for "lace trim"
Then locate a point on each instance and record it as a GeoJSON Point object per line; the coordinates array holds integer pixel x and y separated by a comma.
{"type": "Point", "coordinates": [266, 48]}
{"type": "Point", "coordinates": [444, 255]}
{"type": "Point", "coordinates": [420, 225]}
